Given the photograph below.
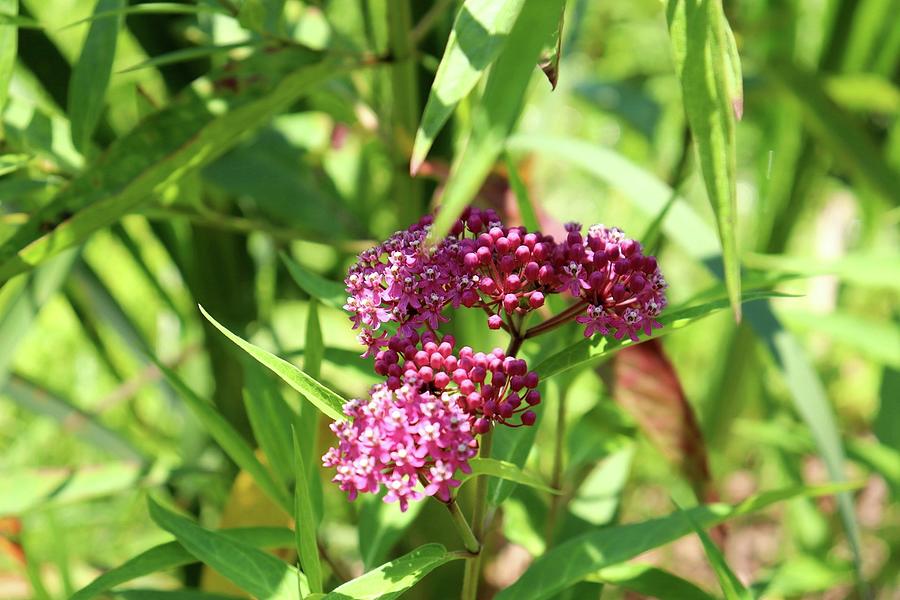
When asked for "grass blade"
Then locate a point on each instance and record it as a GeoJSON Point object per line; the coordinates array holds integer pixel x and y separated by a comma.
{"type": "Point", "coordinates": [271, 419]}
{"type": "Point", "coordinates": [479, 33]}
{"type": "Point", "coordinates": [496, 112]}
{"type": "Point", "coordinates": [173, 555]}
{"type": "Point", "coordinates": [323, 398]}
{"type": "Point", "coordinates": [707, 65]}
{"type": "Point", "coordinates": [90, 75]}
{"type": "Point", "coordinates": [254, 571]}
{"type": "Point", "coordinates": [305, 523]}
{"type": "Point", "coordinates": [151, 8]}
{"type": "Point", "coordinates": [580, 556]}
{"type": "Point", "coordinates": [184, 55]}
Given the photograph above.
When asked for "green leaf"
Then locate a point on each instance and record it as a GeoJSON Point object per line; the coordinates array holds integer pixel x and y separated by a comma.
{"type": "Point", "coordinates": [173, 555]}
{"type": "Point", "coordinates": [597, 499]}
{"type": "Point", "coordinates": [170, 595]}
{"type": "Point", "coordinates": [9, 37]}
{"type": "Point", "coordinates": [496, 112]}
{"type": "Point", "coordinates": [162, 150]}
{"type": "Point", "coordinates": [479, 33]}
{"type": "Point", "coordinates": [707, 65]}
{"type": "Point", "coordinates": [151, 8]}
{"type": "Point", "coordinates": [254, 571]}
{"type": "Point", "coordinates": [329, 293]}
{"type": "Point", "coordinates": [184, 55]}
{"type": "Point", "coordinates": [865, 269]}
{"type": "Point", "coordinates": [26, 489]}
{"type": "Point", "coordinates": [271, 419]}
{"type": "Point", "coordinates": [650, 581]}
{"type": "Point", "coordinates": [526, 209]}
{"type": "Point", "coordinates": [381, 525]}
{"type": "Point", "coordinates": [837, 130]}
{"type": "Point", "coordinates": [595, 348]}
{"type": "Point", "coordinates": [728, 581]}
{"type": "Point", "coordinates": [308, 423]}
{"type": "Point", "coordinates": [508, 471]}
{"type": "Point", "coordinates": [323, 398]}
{"type": "Point", "coordinates": [391, 579]}
{"type": "Point", "coordinates": [305, 523]}
{"type": "Point", "coordinates": [229, 439]}
{"type": "Point", "coordinates": [261, 15]}
{"type": "Point", "coordinates": [577, 558]}
{"type": "Point", "coordinates": [90, 75]}
{"type": "Point", "coordinates": [22, 299]}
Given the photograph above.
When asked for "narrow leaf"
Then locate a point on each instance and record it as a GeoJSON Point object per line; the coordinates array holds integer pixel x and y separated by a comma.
{"type": "Point", "coordinates": [305, 523]}
{"type": "Point", "coordinates": [270, 418]}
{"type": "Point", "coordinates": [650, 581]}
{"type": "Point", "coordinates": [496, 112]}
{"type": "Point", "coordinates": [523, 200]}
{"type": "Point", "coordinates": [580, 556]}
{"type": "Point", "coordinates": [728, 581]}
{"type": "Point", "coordinates": [229, 439]}
{"type": "Point", "coordinates": [508, 471]}
{"type": "Point", "coordinates": [163, 149]}
{"type": "Point", "coordinates": [253, 570]}
{"type": "Point", "coordinates": [705, 64]}
{"type": "Point", "coordinates": [172, 555]}
{"type": "Point", "coordinates": [599, 347]}
{"type": "Point", "coordinates": [90, 75]}
{"type": "Point", "coordinates": [330, 293]}
{"type": "Point", "coordinates": [150, 8]}
{"type": "Point", "coordinates": [479, 33]}
{"type": "Point", "coordinates": [308, 423]}
{"type": "Point", "coordinates": [9, 38]}
{"type": "Point", "coordinates": [184, 55]}
{"type": "Point", "coordinates": [391, 579]}
{"type": "Point", "coordinates": [381, 525]}
{"type": "Point", "coordinates": [323, 398]}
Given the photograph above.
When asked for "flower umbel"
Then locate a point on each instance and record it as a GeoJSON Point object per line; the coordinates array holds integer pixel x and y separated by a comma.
{"type": "Point", "coordinates": [401, 439]}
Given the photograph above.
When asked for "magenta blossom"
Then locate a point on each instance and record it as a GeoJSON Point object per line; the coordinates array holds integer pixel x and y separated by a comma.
{"type": "Point", "coordinates": [409, 441]}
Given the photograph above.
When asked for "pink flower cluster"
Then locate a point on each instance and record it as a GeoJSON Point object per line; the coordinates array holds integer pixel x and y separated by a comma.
{"type": "Point", "coordinates": [397, 438]}
{"type": "Point", "coordinates": [420, 425]}
{"type": "Point", "coordinates": [487, 387]}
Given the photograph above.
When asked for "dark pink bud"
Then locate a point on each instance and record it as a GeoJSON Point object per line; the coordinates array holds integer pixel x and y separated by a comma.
{"type": "Point", "coordinates": [507, 263]}
{"type": "Point", "coordinates": [441, 380]}
{"type": "Point", "coordinates": [468, 298]}
{"type": "Point", "coordinates": [531, 379]}
{"type": "Point", "coordinates": [506, 410]}
{"type": "Point", "coordinates": [596, 281]}
{"type": "Point", "coordinates": [496, 233]}
{"type": "Point", "coordinates": [489, 408]}
{"type": "Point", "coordinates": [637, 282]}
{"type": "Point", "coordinates": [503, 245]}
{"type": "Point", "coordinates": [485, 241]}
{"type": "Point", "coordinates": [510, 302]}
{"type": "Point", "coordinates": [436, 360]}
{"type": "Point", "coordinates": [381, 367]}
{"type": "Point", "coordinates": [531, 271]}
{"type": "Point", "coordinates": [478, 374]}
{"type": "Point", "coordinates": [482, 425]}
{"type": "Point", "coordinates": [393, 382]}
{"type": "Point", "coordinates": [484, 255]}
{"type": "Point", "coordinates": [487, 286]}
{"type": "Point", "coordinates": [513, 282]}
{"type": "Point", "coordinates": [522, 254]}
{"type": "Point", "coordinates": [460, 375]}
{"type": "Point", "coordinates": [473, 401]}
{"type": "Point", "coordinates": [517, 382]}
{"type": "Point", "coordinates": [528, 418]}
{"type": "Point", "coordinates": [466, 386]}
{"type": "Point", "coordinates": [426, 374]}
{"type": "Point", "coordinates": [495, 321]}
{"type": "Point", "coordinates": [475, 224]}
{"type": "Point", "coordinates": [514, 400]}
{"type": "Point", "coordinates": [470, 260]}
{"type": "Point", "coordinates": [530, 240]}
{"type": "Point", "coordinates": [533, 397]}
{"type": "Point", "coordinates": [536, 300]}
{"type": "Point", "coordinates": [546, 275]}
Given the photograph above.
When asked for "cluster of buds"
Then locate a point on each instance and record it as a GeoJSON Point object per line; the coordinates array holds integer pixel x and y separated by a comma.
{"type": "Point", "coordinates": [421, 424]}
{"type": "Point", "coordinates": [399, 438]}
{"type": "Point", "coordinates": [488, 387]}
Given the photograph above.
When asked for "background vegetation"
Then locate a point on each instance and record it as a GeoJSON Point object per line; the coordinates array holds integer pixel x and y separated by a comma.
{"type": "Point", "coordinates": [159, 156]}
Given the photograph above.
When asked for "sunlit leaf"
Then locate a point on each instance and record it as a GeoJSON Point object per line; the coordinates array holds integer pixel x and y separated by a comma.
{"type": "Point", "coordinates": [508, 471]}
{"type": "Point", "coordinates": [305, 523]}
{"type": "Point", "coordinates": [395, 577]}
{"type": "Point", "coordinates": [325, 400]}
{"type": "Point", "coordinates": [255, 571]}
{"type": "Point", "coordinates": [580, 556]}
{"type": "Point", "coordinates": [707, 65]}
{"type": "Point", "coordinates": [9, 37]}
{"type": "Point", "coordinates": [330, 293]}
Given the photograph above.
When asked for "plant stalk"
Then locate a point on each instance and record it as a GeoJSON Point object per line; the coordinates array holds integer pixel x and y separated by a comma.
{"type": "Point", "coordinates": [470, 542]}
{"type": "Point", "coordinates": [556, 478]}
{"type": "Point", "coordinates": [473, 565]}
{"type": "Point", "coordinates": [554, 322]}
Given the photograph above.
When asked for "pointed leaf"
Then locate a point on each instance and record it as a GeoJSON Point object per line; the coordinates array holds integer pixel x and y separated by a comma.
{"type": "Point", "coordinates": [271, 419]}
{"type": "Point", "coordinates": [391, 579]}
{"type": "Point", "coordinates": [728, 581]}
{"type": "Point", "coordinates": [580, 556]}
{"type": "Point", "coordinates": [90, 75]}
{"type": "Point", "coordinates": [172, 555]}
{"type": "Point", "coordinates": [479, 34]}
{"type": "Point", "coordinates": [330, 293]}
{"type": "Point", "coordinates": [381, 525]}
{"type": "Point", "coordinates": [253, 570]}
{"type": "Point", "coordinates": [323, 398]}
{"type": "Point", "coordinates": [650, 581]}
{"type": "Point", "coordinates": [305, 524]}
{"type": "Point", "coordinates": [496, 112]}
{"type": "Point", "coordinates": [229, 439]}
{"type": "Point", "coordinates": [9, 37]}
{"type": "Point", "coordinates": [705, 64]}
{"type": "Point", "coordinates": [508, 471]}
{"type": "Point", "coordinates": [150, 8]}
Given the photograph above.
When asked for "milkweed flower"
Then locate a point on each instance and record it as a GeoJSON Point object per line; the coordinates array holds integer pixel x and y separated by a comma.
{"type": "Point", "coordinates": [409, 441]}
{"type": "Point", "coordinates": [489, 387]}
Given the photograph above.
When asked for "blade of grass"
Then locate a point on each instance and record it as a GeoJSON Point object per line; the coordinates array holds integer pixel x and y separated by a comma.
{"type": "Point", "coordinates": [90, 75]}
{"type": "Point", "coordinates": [305, 522]}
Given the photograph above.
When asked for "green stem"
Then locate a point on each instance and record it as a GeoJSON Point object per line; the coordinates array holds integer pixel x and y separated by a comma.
{"type": "Point", "coordinates": [405, 106]}
{"type": "Point", "coordinates": [473, 565]}
{"type": "Point", "coordinates": [556, 478]}
{"type": "Point", "coordinates": [462, 526]}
